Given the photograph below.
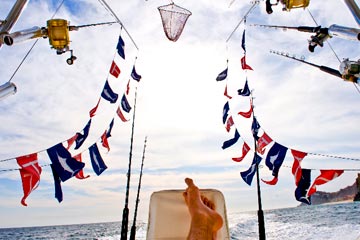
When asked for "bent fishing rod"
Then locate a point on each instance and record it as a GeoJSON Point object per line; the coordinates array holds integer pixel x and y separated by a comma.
{"type": "Point", "coordinates": [133, 228]}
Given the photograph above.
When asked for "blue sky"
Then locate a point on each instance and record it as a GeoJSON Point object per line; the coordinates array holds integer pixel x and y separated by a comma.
{"type": "Point", "coordinates": [179, 105]}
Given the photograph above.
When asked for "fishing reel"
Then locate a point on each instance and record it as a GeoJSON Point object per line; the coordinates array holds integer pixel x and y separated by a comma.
{"type": "Point", "coordinates": [287, 4]}
{"type": "Point", "coordinates": [322, 34]}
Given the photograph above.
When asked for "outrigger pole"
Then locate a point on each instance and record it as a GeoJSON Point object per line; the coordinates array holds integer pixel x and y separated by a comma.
{"type": "Point", "coordinates": [125, 217]}
{"type": "Point", "coordinates": [261, 220]}
{"type": "Point", "coordinates": [331, 71]}
{"type": "Point", "coordinates": [133, 228]}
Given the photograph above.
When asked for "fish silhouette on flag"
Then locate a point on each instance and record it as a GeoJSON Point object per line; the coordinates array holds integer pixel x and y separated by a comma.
{"type": "Point", "coordinates": [65, 165]}
{"type": "Point", "coordinates": [30, 172]}
{"type": "Point", "coordinates": [81, 137]}
{"type": "Point", "coordinates": [274, 160]}
{"type": "Point", "coordinates": [109, 94]}
{"type": "Point", "coordinates": [245, 91]}
{"type": "Point", "coordinates": [324, 177]}
{"type": "Point", "coordinates": [135, 75]}
{"type": "Point", "coordinates": [296, 167]}
{"type": "Point", "coordinates": [248, 175]}
{"type": "Point", "coordinates": [232, 141]}
{"type": "Point", "coordinates": [245, 150]}
{"type": "Point", "coordinates": [114, 69]}
{"type": "Point", "coordinates": [97, 162]}
{"type": "Point", "coordinates": [125, 104]}
{"type": "Point", "coordinates": [225, 112]}
{"type": "Point", "coordinates": [303, 186]}
{"type": "Point", "coordinates": [222, 76]}
{"type": "Point", "coordinates": [121, 47]}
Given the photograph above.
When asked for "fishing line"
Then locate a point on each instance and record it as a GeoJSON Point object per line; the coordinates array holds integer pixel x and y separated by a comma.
{"type": "Point", "coordinates": [31, 48]}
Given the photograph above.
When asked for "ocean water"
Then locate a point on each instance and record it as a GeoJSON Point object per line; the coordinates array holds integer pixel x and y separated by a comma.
{"type": "Point", "coordinates": [321, 222]}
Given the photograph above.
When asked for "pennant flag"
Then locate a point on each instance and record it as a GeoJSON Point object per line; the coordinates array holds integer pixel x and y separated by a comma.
{"type": "Point", "coordinates": [71, 141]}
{"type": "Point", "coordinates": [303, 186]}
{"type": "Point", "coordinates": [296, 167]}
{"type": "Point", "coordinates": [111, 125]}
{"type": "Point", "coordinates": [274, 160]}
{"type": "Point", "coordinates": [243, 41]}
{"type": "Point", "coordinates": [232, 141]}
{"type": "Point", "coordinates": [64, 165]}
{"type": "Point", "coordinates": [108, 93]}
{"type": "Point", "coordinates": [30, 174]}
{"type": "Point", "coordinates": [104, 141]}
{"type": "Point", "coordinates": [121, 115]}
{"type": "Point", "coordinates": [245, 91]}
{"type": "Point", "coordinates": [244, 65]}
{"type": "Point", "coordinates": [82, 137]}
{"type": "Point", "coordinates": [134, 75]}
{"type": "Point", "coordinates": [125, 104]}
{"type": "Point", "coordinates": [324, 177]}
{"type": "Point", "coordinates": [246, 114]}
{"type": "Point", "coordinates": [248, 175]}
{"type": "Point", "coordinates": [226, 93]}
{"type": "Point", "coordinates": [96, 160]}
{"type": "Point", "coordinates": [225, 111]}
{"type": "Point", "coordinates": [263, 141]}
{"type": "Point", "coordinates": [114, 69]}
{"type": "Point", "coordinates": [255, 126]}
{"type": "Point", "coordinates": [57, 184]}
{"type": "Point", "coordinates": [229, 123]}
{"type": "Point", "coordinates": [222, 76]}
{"type": "Point", "coordinates": [128, 87]}
{"type": "Point", "coordinates": [80, 174]}
{"type": "Point", "coordinates": [121, 47]}
{"type": "Point", "coordinates": [245, 150]}
{"type": "Point", "coordinates": [93, 111]}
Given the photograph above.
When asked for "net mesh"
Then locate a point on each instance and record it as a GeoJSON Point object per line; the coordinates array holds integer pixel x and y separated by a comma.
{"type": "Point", "coordinates": [173, 19]}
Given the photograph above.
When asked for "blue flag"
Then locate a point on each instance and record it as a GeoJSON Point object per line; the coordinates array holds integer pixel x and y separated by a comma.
{"type": "Point", "coordinates": [222, 76]}
{"type": "Point", "coordinates": [226, 112]}
{"type": "Point", "coordinates": [255, 126]}
{"type": "Point", "coordinates": [125, 104]}
{"type": "Point", "coordinates": [232, 141]}
{"type": "Point", "coordinates": [243, 41]}
{"type": "Point", "coordinates": [81, 137]}
{"type": "Point", "coordinates": [121, 47]}
{"type": "Point", "coordinates": [248, 175]}
{"type": "Point", "coordinates": [108, 132]}
{"type": "Point", "coordinates": [109, 94]}
{"type": "Point", "coordinates": [135, 75]}
{"type": "Point", "coordinates": [57, 184]}
{"type": "Point", "coordinates": [96, 160]}
{"type": "Point", "coordinates": [303, 186]}
{"type": "Point", "coordinates": [62, 162]}
{"type": "Point", "coordinates": [245, 91]}
{"type": "Point", "coordinates": [275, 158]}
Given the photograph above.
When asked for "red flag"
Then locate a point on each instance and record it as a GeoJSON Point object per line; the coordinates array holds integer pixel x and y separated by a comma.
{"type": "Point", "coordinates": [121, 115]}
{"type": "Point", "coordinates": [71, 140]}
{"type": "Point", "coordinates": [245, 150]}
{"type": "Point", "coordinates": [104, 141]}
{"type": "Point", "coordinates": [263, 141]}
{"type": "Point", "coordinates": [246, 114]}
{"type": "Point", "coordinates": [30, 174]}
{"type": "Point", "coordinates": [324, 177]}
{"type": "Point", "coordinates": [244, 65]}
{"type": "Point", "coordinates": [93, 111]}
{"type": "Point", "coordinates": [114, 69]}
{"type": "Point", "coordinates": [80, 174]}
{"type": "Point", "coordinates": [128, 87]}
{"type": "Point", "coordinates": [226, 93]}
{"type": "Point", "coordinates": [271, 182]}
{"type": "Point", "coordinates": [229, 123]}
{"type": "Point", "coordinates": [296, 167]}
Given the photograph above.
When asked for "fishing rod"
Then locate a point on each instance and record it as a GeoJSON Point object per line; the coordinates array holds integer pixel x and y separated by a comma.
{"type": "Point", "coordinates": [331, 71]}
{"type": "Point", "coordinates": [261, 220]}
{"type": "Point", "coordinates": [133, 228]}
{"type": "Point", "coordinates": [125, 216]}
